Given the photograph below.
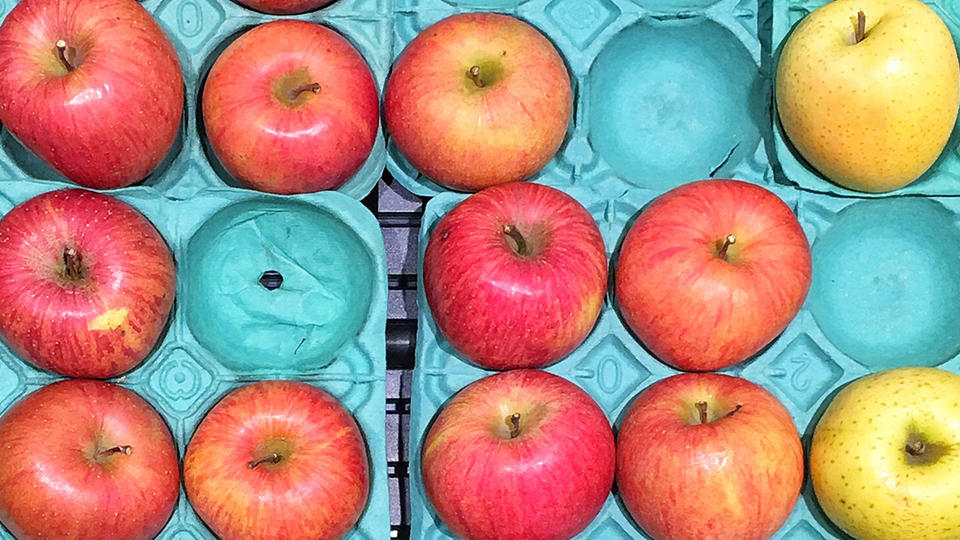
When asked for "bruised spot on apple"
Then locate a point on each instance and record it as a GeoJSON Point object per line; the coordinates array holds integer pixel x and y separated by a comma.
{"type": "Point", "coordinates": [519, 455]}
{"type": "Point", "coordinates": [711, 272]}
{"type": "Point", "coordinates": [885, 454]}
{"type": "Point", "coordinates": [524, 262]}
{"type": "Point", "coordinates": [110, 319]}
{"type": "Point", "coordinates": [703, 455]}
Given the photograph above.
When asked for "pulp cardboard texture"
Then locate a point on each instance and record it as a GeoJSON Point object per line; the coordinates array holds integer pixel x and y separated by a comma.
{"type": "Point", "coordinates": [183, 379]}
{"type": "Point", "coordinates": [943, 178]}
{"type": "Point", "coordinates": [200, 30]}
{"type": "Point", "coordinates": [802, 367]}
{"type": "Point", "coordinates": [665, 91]}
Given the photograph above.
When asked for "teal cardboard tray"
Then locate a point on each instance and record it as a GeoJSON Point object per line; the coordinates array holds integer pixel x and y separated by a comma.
{"type": "Point", "coordinates": [879, 284]}
{"type": "Point", "coordinates": [943, 178]}
{"type": "Point", "coordinates": [200, 30]}
{"type": "Point", "coordinates": [665, 91]}
{"type": "Point", "coordinates": [184, 376]}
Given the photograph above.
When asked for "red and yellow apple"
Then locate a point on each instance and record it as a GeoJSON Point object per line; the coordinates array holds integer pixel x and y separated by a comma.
{"type": "Point", "coordinates": [515, 275]}
{"type": "Point", "coordinates": [277, 460]}
{"type": "Point", "coordinates": [88, 283]}
{"type": "Point", "coordinates": [703, 455]}
{"type": "Point", "coordinates": [285, 7]}
{"type": "Point", "coordinates": [711, 272]}
{"type": "Point", "coordinates": [478, 99]}
{"type": "Point", "coordinates": [86, 460]}
{"type": "Point", "coordinates": [291, 107]}
{"type": "Point", "coordinates": [93, 87]}
{"type": "Point", "coordinates": [520, 455]}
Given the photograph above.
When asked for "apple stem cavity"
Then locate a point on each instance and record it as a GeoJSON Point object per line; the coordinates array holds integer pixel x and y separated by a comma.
{"type": "Point", "coordinates": [474, 73]}
{"type": "Point", "coordinates": [916, 447]}
{"type": "Point", "coordinates": [513, 233]}
{"type": "Point", "coordinates": [514, 422]}
{"type": "Point", "coordinates": [62, 54]}
{"type": "Point", "coordinates": [310, 87]}
{"type": "Point", "coordinates": [72, 264]}
{"type": "Point", "coordinates": [861, 27]}
{"type": "Point", "coordinates": [730, 240]}
{"type": "Point", "coordinates": [125, 450]}
{"type": "Point", "coordinates": [271, 458]}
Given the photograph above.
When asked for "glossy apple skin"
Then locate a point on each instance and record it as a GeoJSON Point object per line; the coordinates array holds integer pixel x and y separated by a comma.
{"type": "Point", "coordinates": [106, 322]}
{"type": "Point", "coordinates": [693, 309]}
{"type": "Point", "coordinates": [737, 476]}
{"type": "Point", "coordinates": [316, 491]}
{"type": "Point", "coordinates": [548, 483]}
{"type": "Point", "coordinates": [313, 143]}
{"type": "Point", "coordinates": [502, 310]}
{"type": "Point", "coordinates": [465, 137]}
{"type": "Point", "coordinates": [112, 120]}
{"type": "Point", "coordinates": [863, 478]}
{"type": "Point", "coordinates": [53, 486]}
{"type": "Point", "coordinates": [285, 7]}
{"type": "Point", "coordinates": [873, 116]}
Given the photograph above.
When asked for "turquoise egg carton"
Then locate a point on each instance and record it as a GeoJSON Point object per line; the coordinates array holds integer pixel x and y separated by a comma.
{"type": "Point", "coordinates": [943, 178]}
{"type": "Point", "coordinates": [665, 91]}
{"type": "Point", "coordinates": [803, 368]}
{"type": "Point", "coordinates": [182, 378]}
{"type": "Point", "coordinates": [200, 30]}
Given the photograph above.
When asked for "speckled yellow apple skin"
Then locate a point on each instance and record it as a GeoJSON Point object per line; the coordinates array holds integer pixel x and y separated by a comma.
{"type": "Point", "coordinates": [875, 115]}
{"type": "Point", "coordinates": [859, 465]}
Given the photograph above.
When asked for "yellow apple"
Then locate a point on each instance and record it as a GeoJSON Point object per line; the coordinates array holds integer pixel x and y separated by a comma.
{"type": "Point", "coordinates": [872, 115]}
{"type": "Point", "coordinates": [885, 458]}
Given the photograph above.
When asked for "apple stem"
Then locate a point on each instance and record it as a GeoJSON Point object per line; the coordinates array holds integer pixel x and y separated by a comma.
{"type": "Point", "coordinates": [727, 242]}
{"type": "Point", "coordinates": [512, 232]}
{"type": "Point", "coordinates": [702, 409]}
{"type": "Point", "coordinates": [272, 458]}
{"type": "Point", "coordinates": [514, 422]}
{"type": "Point", "coordinates": [734, 411]}
{"type": "Point", "coordinates": [475, 76]}
{"type": "Point", "coordinates": [125, 450]}
{"type": "Point", "coordinates": [861, 26]}
{"type": "Point", "coordinates": [916, 447]}
{"type": "Point", "coordinates": [62, 54]}
{"type": "Point", "coordinates": [72, 263]}
{"type": "Point", "coordinates": [310, 87]}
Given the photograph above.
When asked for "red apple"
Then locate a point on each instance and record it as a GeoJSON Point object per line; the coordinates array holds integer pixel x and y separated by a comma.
{"type": "Point", "coordinates": [93, 87]}
{"type": "Point", "coordinates": [520, 455]}
{"type": "Point", "coordinates": [702, 455]}
{"type": "Point", "coordinates": [87, 283]}
{"type": "Point", "coordinates": [277, 460]}
{"type": "Point", "coordinates": [87, 460]}
{"type": "Point", "coordinates": [515, 275]}
{"type": "Point", "coordinates": [478, 99]}
{"type": "Point", "coordinates": [285, 7]}
{"type": "Point", "coordinates": [711, 272]}
{"type": "Point", "coordinates": [291, 107]}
